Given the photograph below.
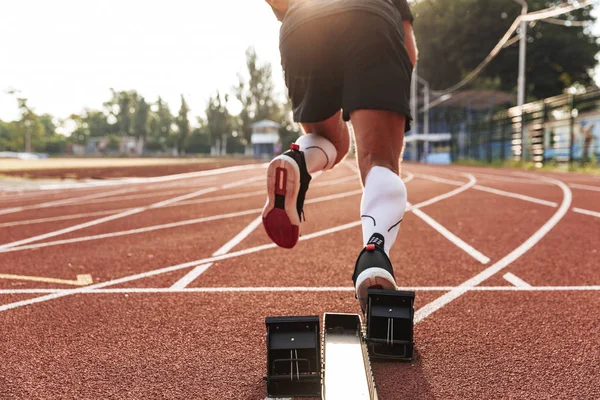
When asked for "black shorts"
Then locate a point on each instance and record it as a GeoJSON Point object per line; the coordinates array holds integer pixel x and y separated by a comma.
{"type": "Point", "coordinates": [353, 60]}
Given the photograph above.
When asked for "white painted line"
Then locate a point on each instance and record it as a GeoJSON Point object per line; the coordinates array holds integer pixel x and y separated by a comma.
{"type": "Point", "coordinates": [62, 202]}
{"type": "Point", "coordinates": [587, 212]}
{"type": "Point", "coordinates": [165, 270]}
{"type": "Point", "coordinates": [191, 276]}
{"type": "Point", "coordinates": [585, 187]}
{"type": "Point", "coordinates": [458, 242]}
{"type": "Point", "coordinates": [515, 280]}
{"type": "Point", "coordinates": [61, 218]}
{"type": "Point", "coordinates": [504, 262]}
{"type": "Point", "coordinates": [226, 248]}
{"type": "Point", "coordinates": [490, 190]}
{"type": "Point", "coordinates": [516, 196]}
{"type": "Point", "coordinates": [133, 231]}
{"type": "Point", "coordinates": [505, 179]}
{"type": "Point", "coordinates": [454, 192]}
{"type": "Point", "coordinates": [159, 227]}
{"type": "Point", "coordinates": [119, 215]}
{"type": "Point", "coordinates": [82, 280]}
{"type": "Point", "coordinates": [302, 289]}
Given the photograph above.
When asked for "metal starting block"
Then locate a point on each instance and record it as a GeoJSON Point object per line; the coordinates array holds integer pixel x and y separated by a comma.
{"type": "Point", "coordinates": [389, 330]}
{"type": "Point", "coordinates": [337, 366]}
{"type": "Point", "coordinates": [293, 357]}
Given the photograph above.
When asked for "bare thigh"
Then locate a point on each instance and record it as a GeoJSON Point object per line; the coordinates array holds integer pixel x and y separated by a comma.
{"type": "Point", "coordinates": [379, 139]}
{"type": "Point", "coordinates": [335, 130]}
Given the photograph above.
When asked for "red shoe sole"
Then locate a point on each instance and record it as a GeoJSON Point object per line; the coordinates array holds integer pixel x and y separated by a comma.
{"type": "Point", "coordinates": [282, 180]}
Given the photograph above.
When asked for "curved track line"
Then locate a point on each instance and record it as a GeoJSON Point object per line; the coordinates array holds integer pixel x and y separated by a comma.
{"type": "Point", "coordinates": [466, 186]}
{"type": "Point", "coordinates": [447, 298]}
{"type": "Point", "coordinates": [123, 214]}
{"type": "Point", "coordinates": [173, 268]}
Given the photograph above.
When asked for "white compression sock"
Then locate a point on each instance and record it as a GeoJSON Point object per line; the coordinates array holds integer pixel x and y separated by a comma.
{"type": "Point", "coordinates": [382, 208]}
{"type": "Point", "coordinates": [319, 153]}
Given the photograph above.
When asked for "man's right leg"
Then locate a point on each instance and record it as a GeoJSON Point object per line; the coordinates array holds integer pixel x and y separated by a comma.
{"type": "Point", "coordinates": [379, 142]}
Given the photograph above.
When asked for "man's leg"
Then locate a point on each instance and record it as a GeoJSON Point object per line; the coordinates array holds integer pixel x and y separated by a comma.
{"type": "Point", "coordinates": [324, 145]}
{"type": "Point", "coordinates": [379, 142]}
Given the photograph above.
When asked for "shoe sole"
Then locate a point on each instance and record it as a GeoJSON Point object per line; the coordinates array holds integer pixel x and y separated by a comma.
{"type": "Point", "coordinates": [281, 219]}
{"type": "Point", "coordinates": [373, 278]}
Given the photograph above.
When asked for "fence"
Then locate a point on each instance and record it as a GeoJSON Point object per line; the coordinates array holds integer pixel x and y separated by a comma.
{"type": "Point", "coordinates": [561, 129]}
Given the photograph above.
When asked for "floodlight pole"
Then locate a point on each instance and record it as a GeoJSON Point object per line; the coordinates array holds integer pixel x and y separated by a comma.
{"type": "Point", "coordinates": [426, 107]}
{"type": "Point", "coordinates": [521, 80]}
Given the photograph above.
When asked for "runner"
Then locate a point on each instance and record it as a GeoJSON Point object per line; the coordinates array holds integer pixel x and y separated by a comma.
{"type": "Point", "coordinates": [346, 60]}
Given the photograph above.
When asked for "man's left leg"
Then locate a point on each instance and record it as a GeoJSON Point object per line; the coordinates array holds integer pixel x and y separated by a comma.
{"type": "Point", "coordinates": [324, 145]}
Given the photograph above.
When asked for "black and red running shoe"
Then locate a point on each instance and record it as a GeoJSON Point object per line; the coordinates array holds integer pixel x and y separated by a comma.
{"type": "Point", "coordinates": [287, 183]}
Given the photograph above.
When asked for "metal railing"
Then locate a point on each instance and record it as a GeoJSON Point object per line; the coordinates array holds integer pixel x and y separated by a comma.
{"type": "Point", "coordinates": [561, 129]}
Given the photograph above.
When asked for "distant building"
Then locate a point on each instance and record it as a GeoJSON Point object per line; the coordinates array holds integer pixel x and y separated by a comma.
{"type": "Point", "coordinates": [265, 139]}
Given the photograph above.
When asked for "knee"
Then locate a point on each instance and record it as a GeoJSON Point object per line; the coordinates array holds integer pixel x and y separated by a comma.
{"type": "Point", "coordinates": [366, 162]}
{"type": "Point", "coordinates": [342, 146]}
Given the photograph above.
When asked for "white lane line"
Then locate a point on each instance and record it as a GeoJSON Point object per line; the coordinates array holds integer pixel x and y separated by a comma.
{"type": "Point", "coordinates": [585, 187]}
{"type": "Point", "coordinates": [505, 179]}
{"type": "Point", "coordinates": [119, 215]}
{"type": "Point", "coordinates": [516, 196]}
{"type": "Point", "coordinates": [61, 218]}
{"type": "Point", "coordinates": [587, 212]}
{"type": "Point", "coordinates": [458, 242]}
{"type": "Point", "coordinates": [92, 214]}
{"type": "Point", "coordinates": [190, 276]}
{"type": "Point", "coordinates": [515, 280]}
{"type": "Point", "coordinates": [465, 186]}
{"type": "Point", "coordinates": [173, 268]}
{"type": "Point", "coordinates": [133, 231]}
{"type": "Point", "coordinates": [504, 262]}
{"type": "Point", "coordinates": [62, 202]}
{"type": "Point", "coordinates": [304, 289]}
{"type": "Point", "coordinates": [164, 226]}
{"type": "Point", "coordinates": [490, 190]}
{"type": "Point", "coordinates": [226, 248]}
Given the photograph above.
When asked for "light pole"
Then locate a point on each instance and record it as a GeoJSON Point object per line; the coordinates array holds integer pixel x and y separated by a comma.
{"type": "Point", "coordinates": [521, 80]}
{"type": "Point", "coordinates": [426, 93]}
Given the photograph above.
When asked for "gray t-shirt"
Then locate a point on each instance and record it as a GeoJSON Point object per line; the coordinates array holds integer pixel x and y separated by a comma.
{"type": "Point", "coordinates": [301, 11]}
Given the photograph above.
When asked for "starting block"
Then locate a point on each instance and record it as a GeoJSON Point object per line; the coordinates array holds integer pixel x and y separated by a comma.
{"type": "Point", "coordinates": [293, 357]}
{"type": "Point", "coordinates": [389, 331]}
{"type": "Point", "coordinates": [336, 364]}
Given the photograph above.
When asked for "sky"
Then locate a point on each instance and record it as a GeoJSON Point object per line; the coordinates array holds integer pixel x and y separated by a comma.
{"type": "Point", "coordinates": [64, 55]}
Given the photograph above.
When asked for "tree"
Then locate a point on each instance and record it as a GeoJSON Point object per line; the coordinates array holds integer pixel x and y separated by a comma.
{"type": "Point", "coordinates": [219, 122]}
{"type": "Point", "coordinates": [161, 122]}
{"type": "Point", "coordinates": [183, 125]}
{"type": "Point", "coordinates": [454, 36]}
{"type": "Point", "coordinates": [140, 126]}
{"type": "Point", "coordinates": [257, 95]}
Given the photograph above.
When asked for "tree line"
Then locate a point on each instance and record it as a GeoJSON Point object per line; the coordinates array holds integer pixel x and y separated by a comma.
{"type": "Point", "coordinates": [129, 113]}
{"type": "Point", "coordinates": [453, 36]}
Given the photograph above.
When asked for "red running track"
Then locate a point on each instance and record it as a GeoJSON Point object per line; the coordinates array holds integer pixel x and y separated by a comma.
{"type": "Point", "coordinates": [183, 277]}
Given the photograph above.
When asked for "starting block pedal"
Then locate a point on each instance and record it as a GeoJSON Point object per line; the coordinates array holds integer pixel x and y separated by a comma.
{"type": "Point", "coordinates": [389, 330]}
{"type": "Point", "coordinates": [293, 357]}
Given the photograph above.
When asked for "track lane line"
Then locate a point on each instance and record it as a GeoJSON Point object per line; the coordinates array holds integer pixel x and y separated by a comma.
{"type": "Point", "coordinates": [585, 187]}
{"type": "Point", "coordinates": [173, 268]}
{"type": "Point", "coordinates": [490, 190]}
{"type": "Point", "coordinates": [124, 214]}
{"type": "Point", "coordinates": [587, 212]}
{"type": "Point", "coordinates": [515, 280]}
{"type": "Point", "coordinates": [304, 289]}
{"type": "Point", "coordinates": [178, 204]}
{"type": "Point", "coordinates": [164, 226]}
{"type": "Point", "coordinates": [447, 298]}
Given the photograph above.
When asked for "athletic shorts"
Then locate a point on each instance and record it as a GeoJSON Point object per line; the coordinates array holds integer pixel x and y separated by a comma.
{"type": "Point", "coordinates": [353, 60]}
